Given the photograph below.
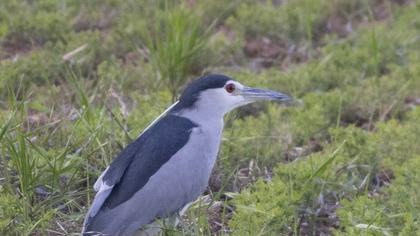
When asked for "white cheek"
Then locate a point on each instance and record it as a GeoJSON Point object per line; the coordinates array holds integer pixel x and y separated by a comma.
{"type": "Point", "coordinates": [225, 99]}
{"type": "Point", "coordinates": [235, 100]}
{"type": "Point", "coordinates": [220, 100]}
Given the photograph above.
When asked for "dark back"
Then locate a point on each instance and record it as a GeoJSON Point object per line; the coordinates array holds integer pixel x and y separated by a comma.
{"type": "Point", "coordinates": [141, 159]}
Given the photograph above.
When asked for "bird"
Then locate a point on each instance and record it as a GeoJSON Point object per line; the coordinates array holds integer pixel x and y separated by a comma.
{"type": "Point", "coordinates": [169, 165]}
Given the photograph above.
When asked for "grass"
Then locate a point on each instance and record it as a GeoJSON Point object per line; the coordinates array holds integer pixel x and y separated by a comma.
{"type": "Point", "coordinates": [173, 45]}
{"type": "Point", "coordinates": [343, 162]}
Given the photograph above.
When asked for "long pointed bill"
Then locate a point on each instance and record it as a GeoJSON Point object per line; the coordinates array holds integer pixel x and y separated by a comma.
{"type": "Point", "coordinates": [256, 94]}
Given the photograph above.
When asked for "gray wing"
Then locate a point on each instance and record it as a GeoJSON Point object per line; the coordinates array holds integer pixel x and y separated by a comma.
{"type": "Point", "coordinates": [115, 171]}
{"type": "Point", "coordinates": [112, 175]}
{"type": "Point", "coordinates": [134, 166]}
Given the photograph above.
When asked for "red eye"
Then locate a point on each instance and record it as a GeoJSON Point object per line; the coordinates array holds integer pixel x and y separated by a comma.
{"type": "Point", "coordinates": [230, 88]}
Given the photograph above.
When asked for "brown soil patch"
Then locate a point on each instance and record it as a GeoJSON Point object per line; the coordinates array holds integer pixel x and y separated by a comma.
{"type": "Point", "coordinates": [219, 214]}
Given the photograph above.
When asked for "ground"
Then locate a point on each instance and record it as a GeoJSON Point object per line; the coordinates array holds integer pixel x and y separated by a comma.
{"type": "Point", "coordinates": [81, 79]}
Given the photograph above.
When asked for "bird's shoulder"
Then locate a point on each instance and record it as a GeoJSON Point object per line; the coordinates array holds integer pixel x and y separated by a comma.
{"type": "Point", "coordinates": [156, 137]}
{"type": "Point", "coordinates": [141, 159]}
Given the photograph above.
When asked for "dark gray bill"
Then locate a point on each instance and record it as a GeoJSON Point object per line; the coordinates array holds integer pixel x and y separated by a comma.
{"type": "Point", "coordinates": [264, 94]}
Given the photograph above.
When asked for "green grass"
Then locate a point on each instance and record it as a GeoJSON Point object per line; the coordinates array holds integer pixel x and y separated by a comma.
{"type": "Point", "coordinates": [173, 45]}
{"type": "Point", "coordinates": [80, 80]}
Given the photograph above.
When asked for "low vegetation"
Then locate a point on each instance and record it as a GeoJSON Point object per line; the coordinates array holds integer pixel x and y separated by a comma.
{"type": "Point", "coordinates": [80, 79]}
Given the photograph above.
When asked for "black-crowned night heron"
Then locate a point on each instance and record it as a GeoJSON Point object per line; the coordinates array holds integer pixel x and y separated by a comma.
{"type": "Point", "coordinates": [170, 163]}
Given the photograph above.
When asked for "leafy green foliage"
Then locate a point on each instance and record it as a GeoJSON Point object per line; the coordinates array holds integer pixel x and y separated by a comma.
{"type": "Point", "coordinates": [26, 25]}
{"type": "Point", "coordinates": [362, 161]}
{"type": "Point", "coordinates": [394, 212]}
{"type": "Point", "coordinates": [286, 21]}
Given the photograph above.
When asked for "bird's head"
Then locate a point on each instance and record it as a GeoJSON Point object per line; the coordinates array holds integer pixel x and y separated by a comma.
{"type": "Point", "coordinates": [216, 95]}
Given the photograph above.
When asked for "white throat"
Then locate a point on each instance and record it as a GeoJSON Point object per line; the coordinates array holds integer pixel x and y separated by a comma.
{"type": "Point", "coordinates": [205, 110]}
{"type": "Point", "coordinates": [203, 118]}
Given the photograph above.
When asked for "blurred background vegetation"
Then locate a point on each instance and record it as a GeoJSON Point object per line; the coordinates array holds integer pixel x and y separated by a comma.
{"type": "Point", "coordinates": [80, 79]}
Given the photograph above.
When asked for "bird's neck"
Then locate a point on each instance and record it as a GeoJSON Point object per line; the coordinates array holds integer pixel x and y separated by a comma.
{"type": "Point", "coordinates": [208, 119]}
